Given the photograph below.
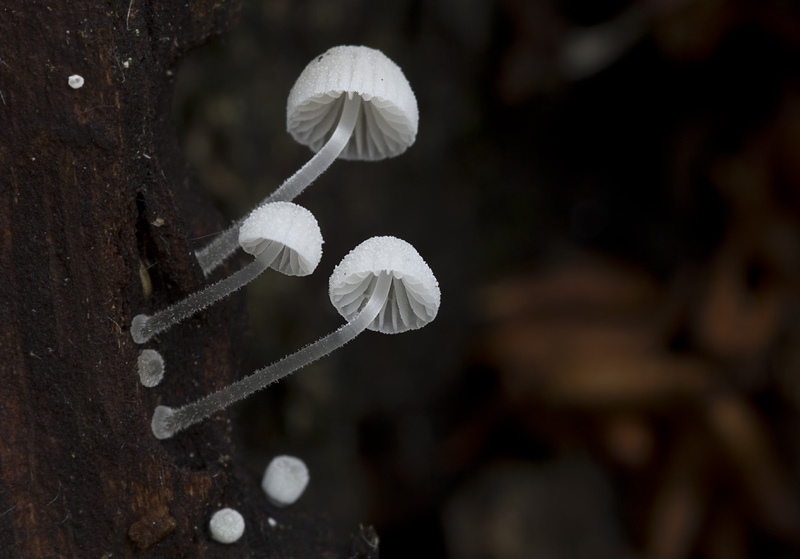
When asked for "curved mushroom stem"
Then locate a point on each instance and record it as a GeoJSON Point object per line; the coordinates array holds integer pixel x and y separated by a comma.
{"type": "Point", "coordinates": [327, 154]}
{"type": "Point", "coordinates": [144, 327]}
{"type": "Point", "coordinates": [215, 253]}
{"type": "Point", "coordinates": [168, 421]}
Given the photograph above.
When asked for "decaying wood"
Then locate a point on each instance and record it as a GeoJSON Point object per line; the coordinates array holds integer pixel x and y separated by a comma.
{"type": "Point", "coordinates": [97, 218]}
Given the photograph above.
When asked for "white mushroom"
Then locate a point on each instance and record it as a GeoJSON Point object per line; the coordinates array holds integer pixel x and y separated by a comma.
{"type": "Point", "coordinates": [75, 81]}
{"type": "Point", "coordinates": [284, 481]}
{"type": "Point", "coordinates": [151, 367]}
{"type": "Point", "coordinates": [389, 274]}
{"type": "Point", "coordinates": [383, 118]}
{"type": "Point", "coordinates": [226, 526]}
{"type": "Point", "coordinates": [281, 235]}
{"type": "Point", "coordinates": [350, 102]}
{"type": "Point", "coordinates": [383, 284]}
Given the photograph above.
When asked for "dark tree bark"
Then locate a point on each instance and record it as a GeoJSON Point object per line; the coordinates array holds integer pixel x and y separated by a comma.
{"type": "Point", "coordinates": [97, 215]}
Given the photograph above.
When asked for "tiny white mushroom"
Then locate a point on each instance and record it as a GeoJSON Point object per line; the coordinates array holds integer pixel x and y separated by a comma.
{"type": "Point", "coordinates": [281, 235]}
{"type": "Point", "coordinates": [284, 481]}
{"type": "Point", "coordinates": [226, 526]}
{"type": "Point", "coordinates": [75, 81]}
{"type": "Point", "coordinates": [351, 102]}
{"type": "Point", "coordinates": [383, 285]}
{"type": "Point", "coordinates": [384, 118]}
{"type": "Point", "coordinates": [151, 367]}
{"type": "Point", "coordinates": [391, 272]}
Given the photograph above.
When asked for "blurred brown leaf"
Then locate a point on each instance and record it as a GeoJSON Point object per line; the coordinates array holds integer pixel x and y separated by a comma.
{"type": "Point", "coordinates": [744, 441]}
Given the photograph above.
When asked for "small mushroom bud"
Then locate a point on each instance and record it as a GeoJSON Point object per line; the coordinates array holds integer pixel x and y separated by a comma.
{"type": "Point", "coordinates": [351, 102]}
{"type": "Point", "coordinates": [75, 81]}
{"type": "Point", "coordinates": [383, 285]}
{"type": "Point", "coordinates": [284, 480]}
{"type": "Point", "coordinates": [281, 235]}
{"type": "Point", "coordinates": [226, 526]}
{"type": "Point", "coordinates": [151, 367]}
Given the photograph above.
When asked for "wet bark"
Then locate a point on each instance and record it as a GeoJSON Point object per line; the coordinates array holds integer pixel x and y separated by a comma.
{"type": "Point", "coordinates": [98, 222]}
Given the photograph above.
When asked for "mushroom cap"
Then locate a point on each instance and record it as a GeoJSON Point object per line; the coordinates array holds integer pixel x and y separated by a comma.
{"type": "Point", "coordinates": [290, 225]}
{"type": "Point", "coordinates": [414, 295]}
{"type": "Point", "coordinates": [388, 116]}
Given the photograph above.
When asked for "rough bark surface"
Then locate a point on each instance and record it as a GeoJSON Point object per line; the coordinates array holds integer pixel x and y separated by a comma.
{"type": "Point", "coordinates": [97, 218]}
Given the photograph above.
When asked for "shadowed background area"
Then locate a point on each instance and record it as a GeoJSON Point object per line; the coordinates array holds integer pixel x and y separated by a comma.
{"type": "Point", "coordinates": [609, 195]}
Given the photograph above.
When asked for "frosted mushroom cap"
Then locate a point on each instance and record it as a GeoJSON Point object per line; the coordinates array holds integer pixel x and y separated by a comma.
{"type": "Point", "coordinates": [290, 225]}
{"type": "Point", "coordinates": [285, 479]}
{"type": "Point", "coordinates": [414, 296]}
{"type": "Point", "coordinates": [226, 526]}
{"type": "Point", "coordinates": [388, 116]}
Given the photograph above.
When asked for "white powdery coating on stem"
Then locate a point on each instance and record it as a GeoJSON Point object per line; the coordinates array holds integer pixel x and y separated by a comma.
{"type": "Point", "coordinates": [388, 118]}
{"type": "Point", "coordinates": [168, 421]}
{"type": "Point", "coordinates": [226, 526]}
{"type": "Point", "coordinates": [413, 299]}
{"type": "Point", "coordinates": [151, 367]}
{"type": "Point", "coordinates": [290, 225]}
{"type": "Point", "coordinates": [144, 327]}
{"type": "Point", "coordinates": [284, 480]}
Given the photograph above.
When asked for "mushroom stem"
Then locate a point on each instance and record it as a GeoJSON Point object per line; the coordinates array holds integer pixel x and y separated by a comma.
{"type": "Point", "coordinates": [315, 166]}
{"type": "Point", "coordinates": [215, 253]}
{"type": "Point", "coordinates": [144, 327]}
{"type": "Point", "coordinates": [168, 421]}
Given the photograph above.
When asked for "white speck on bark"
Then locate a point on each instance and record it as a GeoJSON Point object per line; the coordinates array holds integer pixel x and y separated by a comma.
{"type": "Point", "coordinates": [75, 81]}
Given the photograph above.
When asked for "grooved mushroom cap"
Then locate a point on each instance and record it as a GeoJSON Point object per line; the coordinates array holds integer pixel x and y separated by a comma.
{"type": "Point", "coordinates": [290, 225]}
{"type": "Point", "coordinates": [414, 296]}
{"type": "Point", "coordinates": [388, 117]}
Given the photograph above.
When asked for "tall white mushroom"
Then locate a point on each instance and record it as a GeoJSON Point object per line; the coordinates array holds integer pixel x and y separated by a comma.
{"type": "Point", "coordinates": [350, 102]}
{"type": "Point", "coordinates": [383, 285]}
{"type": "Point", "coordinates": [281, 235]}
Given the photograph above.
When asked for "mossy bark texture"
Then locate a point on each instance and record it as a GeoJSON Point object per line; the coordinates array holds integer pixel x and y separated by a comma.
{"type": "Point", "coordinates": [98, 221]}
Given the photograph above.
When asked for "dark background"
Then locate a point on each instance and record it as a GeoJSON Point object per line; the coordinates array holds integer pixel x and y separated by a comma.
{"type": "Point", "coordinates": [609, 195]}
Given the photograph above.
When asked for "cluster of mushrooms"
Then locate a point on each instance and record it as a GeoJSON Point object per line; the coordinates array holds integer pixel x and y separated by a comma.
{"type": "Point", "coordinates": [284, 481]}
{"type": "Point", "coordinates": [351, 102]}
